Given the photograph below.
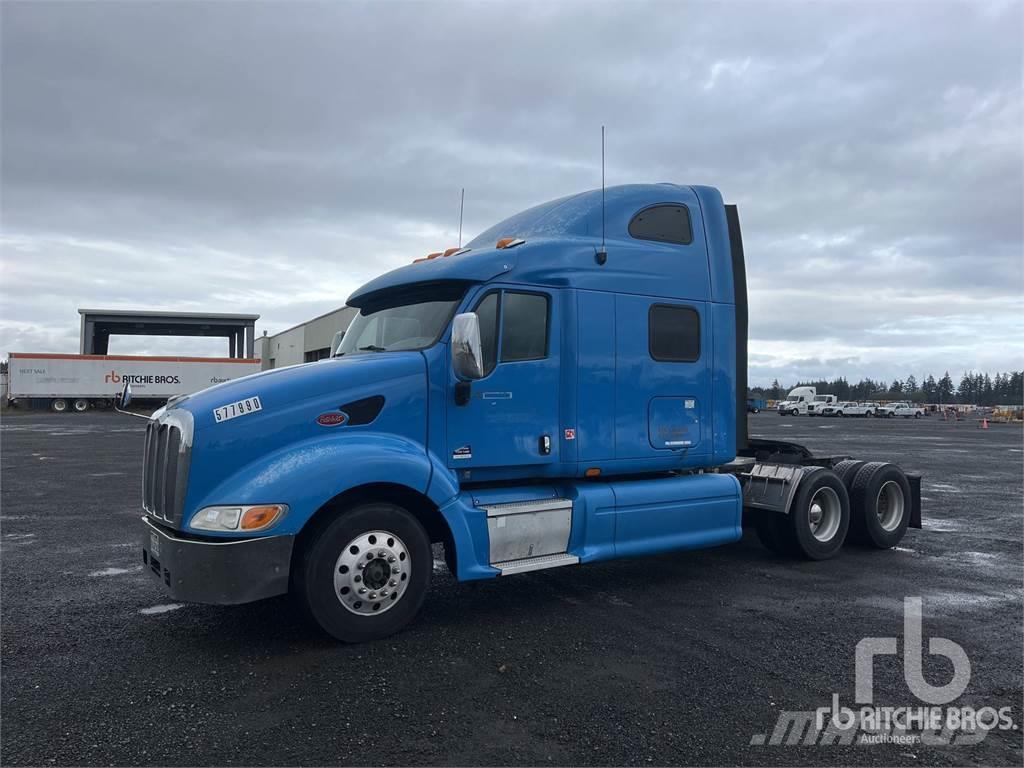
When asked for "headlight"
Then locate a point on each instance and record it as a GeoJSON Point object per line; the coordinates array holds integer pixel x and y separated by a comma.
{"type": "Point", "coordinates": [245, 518]}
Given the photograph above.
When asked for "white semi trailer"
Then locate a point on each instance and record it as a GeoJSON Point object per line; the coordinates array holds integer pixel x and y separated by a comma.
{"type": "Point", "coordinates": [80, 382]}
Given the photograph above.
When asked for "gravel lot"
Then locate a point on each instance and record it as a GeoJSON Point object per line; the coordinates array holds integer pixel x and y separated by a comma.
{"type": "Point", "coordinates": [679, 659]}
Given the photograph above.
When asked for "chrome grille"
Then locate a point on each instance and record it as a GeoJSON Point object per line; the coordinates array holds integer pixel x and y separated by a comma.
{"type": "Point", "coordinates": [165, 465]}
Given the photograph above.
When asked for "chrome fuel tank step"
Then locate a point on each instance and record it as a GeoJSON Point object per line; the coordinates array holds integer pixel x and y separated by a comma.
{"type": "Point", "coordinates": [509, 567]}
{"type": "Point", "coordinates": [523, 530]}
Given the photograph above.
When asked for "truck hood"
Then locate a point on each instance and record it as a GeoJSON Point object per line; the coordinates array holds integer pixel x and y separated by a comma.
{"type": "Point", "coordinates": [339, 379]}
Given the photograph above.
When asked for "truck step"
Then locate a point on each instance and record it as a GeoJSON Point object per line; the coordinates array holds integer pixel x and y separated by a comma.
{"type": "Point", "coordinates": [509, 567]}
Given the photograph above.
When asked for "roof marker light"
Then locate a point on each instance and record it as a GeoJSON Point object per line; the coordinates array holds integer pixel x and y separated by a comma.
{"type": "Point", "coordinates": [509, 242]}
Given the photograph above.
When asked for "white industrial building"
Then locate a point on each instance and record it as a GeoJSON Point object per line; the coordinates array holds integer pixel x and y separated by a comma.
{"type": "Point", "coordinates": [303, 343]}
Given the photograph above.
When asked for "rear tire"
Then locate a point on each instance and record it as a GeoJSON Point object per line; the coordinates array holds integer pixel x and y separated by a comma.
{"type": "Point", "coordinates": [769, 531]}
{"type": "Point", "coordinates": [59, 405]}
{"type": "Point", "coordinates": [333, 578]}
{"type": "Point", "coordinates": [819, 516]}
{"type": "Point", "coordinates": [880, 502]}
{"type": "Point", "coordinates": [81, 405]}
{"type": "Point", "coordinates": [847, 470]}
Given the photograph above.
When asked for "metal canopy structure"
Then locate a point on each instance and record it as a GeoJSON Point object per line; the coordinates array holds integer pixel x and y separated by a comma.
{"type": "Point", "coordinates": [98, 325]}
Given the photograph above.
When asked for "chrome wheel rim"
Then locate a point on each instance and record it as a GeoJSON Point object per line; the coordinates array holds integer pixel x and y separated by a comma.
{"type": "Point", "coordinates": [824, 514]}
{"type": "Point", "coordinates": [81, 405]}
{"type": "Point", "coordinates": [372, 573]}
{"type": "Point", "coordinates": [889, 505]}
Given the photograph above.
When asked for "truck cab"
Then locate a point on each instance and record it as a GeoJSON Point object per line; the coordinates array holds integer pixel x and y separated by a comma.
{"type": "Point", "coordinates": [796, 401]}
{"type": "Point", "coordinates": [567, 388]}
{"type": "Point", "coordinates": [819, 402]}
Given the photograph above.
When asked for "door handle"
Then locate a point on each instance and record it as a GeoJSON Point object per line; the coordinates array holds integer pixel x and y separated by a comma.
{"type": "Point", "coordinates": [545, 445]}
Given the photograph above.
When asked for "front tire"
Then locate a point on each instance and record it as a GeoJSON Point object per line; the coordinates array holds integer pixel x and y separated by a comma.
{"type": "Point", "coordinates": [365, 573]}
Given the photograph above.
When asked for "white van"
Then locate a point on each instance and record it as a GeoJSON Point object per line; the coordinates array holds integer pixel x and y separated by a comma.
{"type": "Point", "coordinates": [796, 401]}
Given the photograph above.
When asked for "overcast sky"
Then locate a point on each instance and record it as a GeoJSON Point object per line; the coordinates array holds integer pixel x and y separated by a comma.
{"type": "Point", "coordinates": [270, 158]}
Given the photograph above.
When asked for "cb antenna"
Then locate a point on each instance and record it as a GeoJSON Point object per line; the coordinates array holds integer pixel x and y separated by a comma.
{"type": "Point", "coordinates": [462, 205]}
{"type": "Point", "coordinates": [602, 255]}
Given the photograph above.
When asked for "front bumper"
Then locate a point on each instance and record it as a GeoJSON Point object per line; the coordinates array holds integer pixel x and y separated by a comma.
{"type": "Point", "coordinates": [217, 571]}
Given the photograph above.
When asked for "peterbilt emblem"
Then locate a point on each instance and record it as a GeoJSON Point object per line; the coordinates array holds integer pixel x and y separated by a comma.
{"type": "Point", "coordinates": [331, 419]}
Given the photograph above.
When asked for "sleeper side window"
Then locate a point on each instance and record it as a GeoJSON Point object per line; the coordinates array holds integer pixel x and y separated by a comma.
{"type": "Point", "coordinates": [664, 224]}
{"type": "Point", "coordinates": [674, 333]}
{"type": "Point", "coordinates": [524, 333]}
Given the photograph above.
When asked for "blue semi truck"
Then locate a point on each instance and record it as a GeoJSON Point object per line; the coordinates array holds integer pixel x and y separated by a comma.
{"type": "Point", "coordinates": [567, 388]}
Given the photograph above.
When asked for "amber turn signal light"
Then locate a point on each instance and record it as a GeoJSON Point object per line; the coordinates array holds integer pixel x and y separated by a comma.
{"type": "Point", "coordinates": [257, 518]}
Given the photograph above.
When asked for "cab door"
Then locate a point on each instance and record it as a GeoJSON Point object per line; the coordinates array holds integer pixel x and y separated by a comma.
{"type": "Point", "coordinates": [512, 417]}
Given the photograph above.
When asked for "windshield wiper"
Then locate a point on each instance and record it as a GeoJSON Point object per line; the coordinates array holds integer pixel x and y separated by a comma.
{"type": "Point", "coordinates": [372, 348]}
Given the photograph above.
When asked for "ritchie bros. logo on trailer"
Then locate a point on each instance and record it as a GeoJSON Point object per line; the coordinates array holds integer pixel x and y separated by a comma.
{"type": "Point", "coordinates": [134, 378]}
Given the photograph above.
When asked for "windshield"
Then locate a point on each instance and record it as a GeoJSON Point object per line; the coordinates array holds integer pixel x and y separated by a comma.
{"type": "Point", "coordinates": [821, 398]}
{"type": "Point", "coordinates": [792, 398]}
{"type": "Point", "coordinates": [408, 326]}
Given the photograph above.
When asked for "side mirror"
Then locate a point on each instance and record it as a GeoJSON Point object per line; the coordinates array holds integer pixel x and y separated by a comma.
{"type": "Point", "coordinates": [336, 342]}
{"type": "Point", "coordinates": [125, 398]}
{"type": "Point", "coordinates": [467, 357]}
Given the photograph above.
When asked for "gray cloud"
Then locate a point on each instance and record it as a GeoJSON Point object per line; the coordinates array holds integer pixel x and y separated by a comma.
{"type": "Point", "coordinates": [271, 157]}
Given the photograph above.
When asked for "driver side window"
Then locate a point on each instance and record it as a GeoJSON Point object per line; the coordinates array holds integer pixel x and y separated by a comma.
{"type": "Point", "coordinates": [523, 331]}
{"type": "Point", "coordinates": [487, 311]}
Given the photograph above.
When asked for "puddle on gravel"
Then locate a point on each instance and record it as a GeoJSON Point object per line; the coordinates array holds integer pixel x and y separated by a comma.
{"type": "Point", "coordinates": [937, 602]}
{"type": "Point", "coordinates": [942, 526]}
{"type": "Point", "coordinates": [943, 488]}
{"type": "Point", "coordinates": [19, 538]}
{"type": "Point", "coordinates": [156, 609]}
{"type": "Point", "coordinates": [116, 571]}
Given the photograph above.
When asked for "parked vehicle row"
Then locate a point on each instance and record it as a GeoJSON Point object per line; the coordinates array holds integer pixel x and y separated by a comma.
{"type": "Point", "coordinates": [806, 401]}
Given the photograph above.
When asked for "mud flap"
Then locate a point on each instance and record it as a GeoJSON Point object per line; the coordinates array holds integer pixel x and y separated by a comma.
{"type": "Point", "coordinates": [915, 500]}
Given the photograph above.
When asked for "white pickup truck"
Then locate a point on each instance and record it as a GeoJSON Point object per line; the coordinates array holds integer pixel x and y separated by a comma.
{"type": "Point", "coordinates": [848, 408]}
{"type": "Point", "coordinates": [904, 409]}
{"type": "Point", "coordinates": [820, 402]}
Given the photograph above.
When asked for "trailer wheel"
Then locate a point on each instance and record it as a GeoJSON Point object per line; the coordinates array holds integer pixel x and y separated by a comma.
{"type": "Point", "coordinates": [880, 501]}
{"type": "Point", "coordinates": [365, 573]}
{"type": "Point", "coordinates": [819, 516]}
{"type": "Point", "coordinates": [59, 405]}
{"type": "Point", "coordinates": [81, 405]}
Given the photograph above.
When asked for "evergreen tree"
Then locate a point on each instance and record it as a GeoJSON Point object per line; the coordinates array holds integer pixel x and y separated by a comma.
{"type": "Point", "coordinates": [945, 388]}
{"type": "Point", "coordinates": [965, 392]}
{"type": "Point", "coordinates": [930, 388]}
